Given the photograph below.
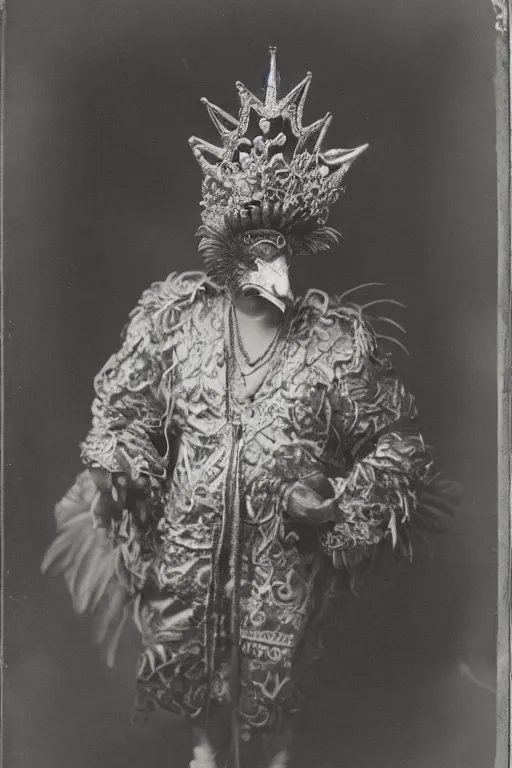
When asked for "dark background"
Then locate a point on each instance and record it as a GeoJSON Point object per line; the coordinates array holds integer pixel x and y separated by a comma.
{"type": "Point", "coordinates": [102, 197]}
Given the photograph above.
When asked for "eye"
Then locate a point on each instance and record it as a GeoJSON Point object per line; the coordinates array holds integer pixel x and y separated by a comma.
{"type": "Point", "coordinates": [249, 261]}
{"type": "Point", "coordinates": [247, 239]}
{"type": "Point", "coordinates": [280, 242]}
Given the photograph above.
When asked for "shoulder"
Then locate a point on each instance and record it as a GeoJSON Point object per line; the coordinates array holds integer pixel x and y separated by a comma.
{"type": "Point", "coordinates": [165, 305]}
{"type": "Point", "coordinates": [345, 344]}
{"type": "Point", "coordinates": [177, 292]}
{"type": "Point", "coordinates": [339, 332]}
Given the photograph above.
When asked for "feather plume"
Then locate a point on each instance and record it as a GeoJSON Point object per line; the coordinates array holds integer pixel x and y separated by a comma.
{"type": "Point", "coordinates": [308, 241]}
{"type": "Point", "coordinates": [87, 558]}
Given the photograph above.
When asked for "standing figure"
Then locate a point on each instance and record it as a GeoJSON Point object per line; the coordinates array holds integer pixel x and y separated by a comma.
{"type": "Point", "coordinates": [247, 447]}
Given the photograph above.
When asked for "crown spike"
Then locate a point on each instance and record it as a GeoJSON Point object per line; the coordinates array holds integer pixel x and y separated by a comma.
{"type": "Point", "coordinates": [325, 128]}
{"type": "Point", "coordinates": [205, 146]}
{"type": "Point", "coordinates": [248, 101]}
{"type": "Point", "coordinates": [199, 148]}
{"type": "Point", "coordinates": [292, 105]}
{"type": "Point", "coordinates": [225, 123]}
{"type": "Point", "coordinates": [306, 133]}
{"type": "Point", "coordinates": [340, 161]}
{"type": "Point", "coordinates": [334, 157]}
{"type": "Point", "coordinates": [272, 79]}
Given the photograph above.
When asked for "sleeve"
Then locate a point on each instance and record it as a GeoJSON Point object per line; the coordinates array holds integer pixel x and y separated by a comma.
{"type": "Point", "coordinates": [107, 523]}
{"type": "Point", "coordinates": [128, 430]}
{"type": "Point", "coordinates": [382, 461]}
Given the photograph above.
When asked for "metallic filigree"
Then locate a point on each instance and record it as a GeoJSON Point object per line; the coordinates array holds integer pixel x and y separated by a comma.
{"type": "Point", "coordinates": [283, 168]}
{"type": "Point", "coordinates": [330, 405]}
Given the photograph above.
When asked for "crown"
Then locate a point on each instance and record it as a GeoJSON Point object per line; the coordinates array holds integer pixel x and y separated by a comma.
{"type": "Point", "coordinates": [269, 160]}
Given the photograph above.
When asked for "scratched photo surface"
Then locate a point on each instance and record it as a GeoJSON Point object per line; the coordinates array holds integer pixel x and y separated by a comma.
{"type": "Point", "coordinates": [102, 198]}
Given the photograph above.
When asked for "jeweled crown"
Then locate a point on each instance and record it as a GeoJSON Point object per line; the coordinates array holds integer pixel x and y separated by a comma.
{"type": "Point", "coordinates": [268, 159]}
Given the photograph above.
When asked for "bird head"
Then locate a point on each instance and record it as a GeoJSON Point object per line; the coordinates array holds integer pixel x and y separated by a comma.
{"type": "Point", "coordinates": [249, 259]}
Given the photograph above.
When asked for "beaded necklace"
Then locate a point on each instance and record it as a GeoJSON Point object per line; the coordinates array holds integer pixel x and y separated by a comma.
{"type": "Point", "coordinates": [251, 365]}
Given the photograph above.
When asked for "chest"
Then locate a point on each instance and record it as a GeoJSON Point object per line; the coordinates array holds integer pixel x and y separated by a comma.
{"type": "Point", "coordinates": [284, 399]}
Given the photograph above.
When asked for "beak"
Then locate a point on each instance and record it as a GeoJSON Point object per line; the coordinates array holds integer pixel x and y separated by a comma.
{"type": "Point", "coordinates": [270, 280]}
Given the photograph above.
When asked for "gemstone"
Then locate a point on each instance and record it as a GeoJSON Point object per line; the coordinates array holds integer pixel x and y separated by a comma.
{"type": "Point", "coordinates": [264, 125]}
{"type": "Point", "coordinates": [244, 159]}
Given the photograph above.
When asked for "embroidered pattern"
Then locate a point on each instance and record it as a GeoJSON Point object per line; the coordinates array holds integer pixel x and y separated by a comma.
{"type": "Point", "coordinates": [332, 404]}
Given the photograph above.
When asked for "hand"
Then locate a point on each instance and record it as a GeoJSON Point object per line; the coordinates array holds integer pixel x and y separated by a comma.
{"type": "Point", "coordinates": [116, 484]}
{"type": "Point", "coordinates": [114, 491]}
{"type": "Point", "coordinates": [104, 508]}
{"type": "Point", "coordinates": [311, 500]}
{"type": "Point", "coordinates": [113, 485]}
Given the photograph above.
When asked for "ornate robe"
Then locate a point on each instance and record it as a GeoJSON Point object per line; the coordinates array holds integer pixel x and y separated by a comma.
{"type": "Point", "coordinates": [228, 586]}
